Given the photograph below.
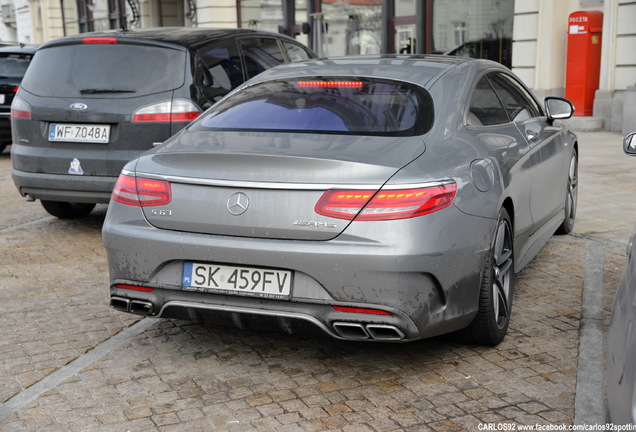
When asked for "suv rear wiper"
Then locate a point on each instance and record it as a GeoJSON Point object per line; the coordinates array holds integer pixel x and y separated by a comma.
{"type": "Point", "coordinates": [95, 90]}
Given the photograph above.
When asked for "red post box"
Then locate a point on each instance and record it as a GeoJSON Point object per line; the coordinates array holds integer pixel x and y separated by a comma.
{"type": "Point", "coordinates": [583, 59]}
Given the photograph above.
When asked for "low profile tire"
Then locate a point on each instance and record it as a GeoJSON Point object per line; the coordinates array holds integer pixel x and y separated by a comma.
{"type": "Point", "coordinates": [66, 210]}
{"type": "Point", "coordinates": [497, 287]}
{"type": "Point", "coordinates": [571, 196]}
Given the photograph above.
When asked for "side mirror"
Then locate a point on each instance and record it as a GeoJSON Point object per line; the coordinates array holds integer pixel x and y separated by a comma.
{"type": "Point", "coordinates": [558, 108]}
{"type": "Point", "coordinates": [629, 144]}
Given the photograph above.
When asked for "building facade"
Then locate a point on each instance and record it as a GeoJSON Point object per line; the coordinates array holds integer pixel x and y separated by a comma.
{"type": "Point", "coordinates": [529, 36]}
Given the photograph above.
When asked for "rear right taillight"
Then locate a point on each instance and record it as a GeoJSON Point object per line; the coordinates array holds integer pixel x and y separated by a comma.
{"type": "Point", "coordinates": [178, 110]}
{"type": "Point", "coordinates": [387, 203]}
{"type": "Point", "coordinates": [141, 191]}
{"type": "Point", "coordinates": [20, 109]}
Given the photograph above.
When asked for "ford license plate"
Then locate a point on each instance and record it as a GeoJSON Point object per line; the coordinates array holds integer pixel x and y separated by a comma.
{"type": "Point", "coordinates": [248, 281]}
{"type": "Point", "coordinates": [79, 133]}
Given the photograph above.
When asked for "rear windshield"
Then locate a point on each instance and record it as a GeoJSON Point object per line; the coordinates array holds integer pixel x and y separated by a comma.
{"type": "Point", "coordinates": [14, 65]}
{"type": "Point", "coordinates": [325, 105]}
{"type": "Point", "coordinates": [106, 70]}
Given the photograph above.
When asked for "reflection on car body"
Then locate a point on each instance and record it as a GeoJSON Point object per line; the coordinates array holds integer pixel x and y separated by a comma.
{"type": "Point", "coordinates": [372, 208]}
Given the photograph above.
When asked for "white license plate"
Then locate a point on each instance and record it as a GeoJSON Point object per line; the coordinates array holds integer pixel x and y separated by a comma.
{"type": "Point", "coordinates": [79, 133]}
{"type": "Point", "coordinates": [3, 98]}
{"type": "Point", "coordinates": [249, 281]}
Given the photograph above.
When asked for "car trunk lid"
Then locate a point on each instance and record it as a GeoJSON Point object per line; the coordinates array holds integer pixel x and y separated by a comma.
{"type": "Point", "coordinates": [267, 185]}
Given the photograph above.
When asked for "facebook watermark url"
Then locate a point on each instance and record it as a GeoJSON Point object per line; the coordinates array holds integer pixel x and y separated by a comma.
{"type": "Point", "coordinates": [511, 426]}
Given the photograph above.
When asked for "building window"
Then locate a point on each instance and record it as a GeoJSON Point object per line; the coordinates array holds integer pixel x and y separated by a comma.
{"type": "Point", "coordinates": [342, 27]}
{"type": "Point", "coordinates": [97, 15]}
{"type": "Point", "coordinates": [480, 29]}
{"type": "Point", "coordinates": [459, 32]}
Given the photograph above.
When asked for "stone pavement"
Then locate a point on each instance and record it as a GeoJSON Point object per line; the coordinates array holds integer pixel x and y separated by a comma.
{"type": "Point", "coordinates": [69, 363]}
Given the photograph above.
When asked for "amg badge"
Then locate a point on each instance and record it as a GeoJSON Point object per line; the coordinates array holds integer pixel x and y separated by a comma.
{"type": "Point", "coordinates": [315, 224]}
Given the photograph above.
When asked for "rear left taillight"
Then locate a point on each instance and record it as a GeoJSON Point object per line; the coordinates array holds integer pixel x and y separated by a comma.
{"type": "Point", "coordinates": [386, 204]}
{"type": "Point", "coordinates": [20, 109]}
{"type": "Point", "coordinates": [141, 191]}
{"type": "Point", "coordinates": [178, 110]}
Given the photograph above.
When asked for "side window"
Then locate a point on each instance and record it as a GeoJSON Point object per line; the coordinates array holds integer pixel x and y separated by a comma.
{"type": "Point", "coordinates": [220, 71]}
{"type": "Point", "coordinates": [260, 54]}
{"type": "Point", "coordinates": [295, 53]}
{"type": "Point", "coordinates": [518, 103]}
{"type": "Point", "coordinates": [485, 108]}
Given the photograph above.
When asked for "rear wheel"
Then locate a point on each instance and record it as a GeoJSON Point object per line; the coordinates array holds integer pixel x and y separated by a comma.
{"type": "Point", "coordinates": [66, 210]}
{"type": "Point", "coordinates": [571, 196]}
{"type": "Point", "coordinates": [495, 297]}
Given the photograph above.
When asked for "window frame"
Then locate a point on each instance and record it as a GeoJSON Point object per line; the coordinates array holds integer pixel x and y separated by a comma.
{"type": "Point", "coordinates": [246, 50]}
{"type": "Point", "coordinates": [494, 79]}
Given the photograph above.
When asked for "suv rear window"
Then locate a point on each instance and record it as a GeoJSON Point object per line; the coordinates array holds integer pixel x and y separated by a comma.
{"type": "Point", "coordinates": [14, 65]}
{"type": "Point", "coordinates": [325, 105]}
{"type": "Point", "coordinates": [107, 70]}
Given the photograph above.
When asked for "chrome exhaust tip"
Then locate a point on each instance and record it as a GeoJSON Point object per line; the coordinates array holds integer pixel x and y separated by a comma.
{"type": "Point", "coordinates": [361, 331]}
{"type": "Point", "coordinates": [349, 330]}
{"type": "Point", "coordinates": [120, 303]}
{"type": "Point", "coordinates": [141, 307]}
{"type": "Point", "coordinates": [385, 332]}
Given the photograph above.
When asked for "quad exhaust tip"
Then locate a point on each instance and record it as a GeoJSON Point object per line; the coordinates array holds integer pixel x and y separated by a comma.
{"type": "Point", "coordinates": [139, 307]}
{"type": "Point", "coordinates": [361, 331]}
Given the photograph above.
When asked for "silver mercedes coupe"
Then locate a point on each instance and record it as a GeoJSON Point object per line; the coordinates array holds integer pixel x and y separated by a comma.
{"type": "Point", "coordinates": [385, 198]}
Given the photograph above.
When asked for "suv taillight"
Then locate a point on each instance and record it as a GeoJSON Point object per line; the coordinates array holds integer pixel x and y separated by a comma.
{"type": "Point", "coordinates": [177, 110]}
{"type": "Point", "coordinates": [386, 204]}
{"type": "Point", "coordinates": [20, 109]}
{"type": "Point", "coordinates": [99, 40]}
{"type": "Point", "coordinates": [141, 191]}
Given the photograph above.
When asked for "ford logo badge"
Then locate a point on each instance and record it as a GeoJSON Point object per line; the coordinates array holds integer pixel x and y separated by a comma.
{"type": "Point", "coordinates": [79, 106]}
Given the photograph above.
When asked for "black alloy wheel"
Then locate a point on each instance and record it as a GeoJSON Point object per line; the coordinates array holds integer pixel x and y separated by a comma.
{"type": "Point", "coordinates": [497, 288]}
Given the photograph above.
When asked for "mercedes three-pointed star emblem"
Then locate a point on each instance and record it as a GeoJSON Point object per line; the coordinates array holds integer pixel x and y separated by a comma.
{"type": "Point", "coordinates": [238, 203]}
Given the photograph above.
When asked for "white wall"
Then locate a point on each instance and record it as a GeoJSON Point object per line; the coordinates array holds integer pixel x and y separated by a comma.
{"type": "Point", "coordinates": [217, 13]}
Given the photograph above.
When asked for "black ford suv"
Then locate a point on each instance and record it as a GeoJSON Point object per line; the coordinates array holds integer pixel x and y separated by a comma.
{"type": "Point", "coordinates": [90, 103]}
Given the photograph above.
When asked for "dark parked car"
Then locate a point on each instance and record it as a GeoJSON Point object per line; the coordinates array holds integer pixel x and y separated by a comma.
{"type": "Point", "coordinates": [14, 61]}
{"type": "Point", "coordinates": [389, 198]}
{"type": "Point", "coordinates": [92, 102]}
{"type": "Point", "coordinates": [621, 339]}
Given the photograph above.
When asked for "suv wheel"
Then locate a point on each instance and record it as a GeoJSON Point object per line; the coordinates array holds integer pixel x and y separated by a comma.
{"type": "Point", "coordinates": [66, 210]}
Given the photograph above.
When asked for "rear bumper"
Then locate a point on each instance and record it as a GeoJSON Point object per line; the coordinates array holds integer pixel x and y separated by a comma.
{"type": "Point", "coordinates": [293, 317]}
{"type": "Point", "coordinates": [427, 278]}
{"type": "Point", "coordinates": [66, 188]}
